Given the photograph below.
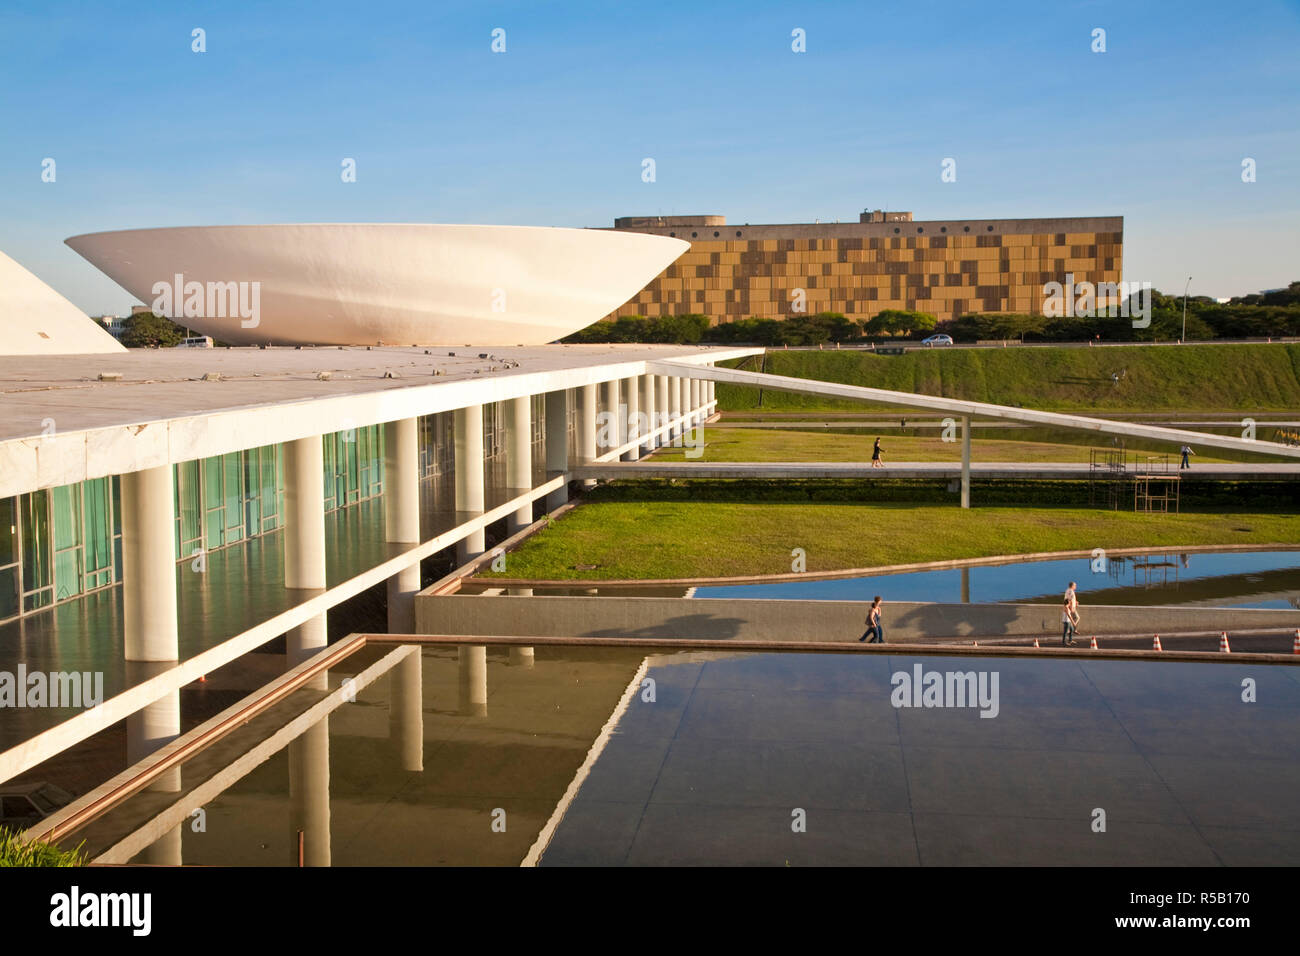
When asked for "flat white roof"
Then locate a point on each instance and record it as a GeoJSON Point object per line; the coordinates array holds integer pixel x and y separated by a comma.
{"type": "Point", "coordinates": [59, 423]}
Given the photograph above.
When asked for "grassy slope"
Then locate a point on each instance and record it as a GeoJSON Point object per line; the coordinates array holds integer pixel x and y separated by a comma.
{"type": "Point", "coordinates": [1232, 378]}
{"type": "Point", "coordinates": [657, 539]}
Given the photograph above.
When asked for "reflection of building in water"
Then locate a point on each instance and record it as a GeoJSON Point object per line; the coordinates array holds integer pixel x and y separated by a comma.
{"type": "Point", "coordinates": [391, 757]}
{"type": "Point", "coordinates": [1148, 570]}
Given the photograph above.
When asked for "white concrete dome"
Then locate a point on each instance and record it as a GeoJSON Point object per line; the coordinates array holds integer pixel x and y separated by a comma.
{"type": "Point", "coordinates": [399, 284]}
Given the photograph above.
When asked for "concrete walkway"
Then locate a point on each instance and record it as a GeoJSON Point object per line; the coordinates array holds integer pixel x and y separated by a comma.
{"type": "Point", "coordinates": [916, 469]}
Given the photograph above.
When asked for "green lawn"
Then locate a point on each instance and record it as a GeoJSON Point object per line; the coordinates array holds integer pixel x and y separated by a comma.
{"type": "Point", "coordinates": [669, 539]}
{"type": "Point", "coordinates": [723, 444]}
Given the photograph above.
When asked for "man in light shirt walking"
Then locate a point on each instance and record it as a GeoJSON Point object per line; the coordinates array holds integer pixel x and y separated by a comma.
{"type": "Point", "coordinates": [1069, 615]}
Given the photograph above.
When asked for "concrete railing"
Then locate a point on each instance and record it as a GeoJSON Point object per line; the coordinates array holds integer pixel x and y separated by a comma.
{"type": "Point", "coordinates": [806, 621]}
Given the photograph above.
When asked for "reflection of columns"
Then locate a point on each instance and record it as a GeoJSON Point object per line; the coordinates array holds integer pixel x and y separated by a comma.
{"type": "Point", "coordinates": [309, 794]}
{"type": "Point", "coordinates": [402, 517]}
{"type": "Point", "coordinates": [629, 415]}
{"type": "Point", "coordinates": [406, 710]}
{"type": "Point", "coordinates": [521, 656]}
{"type": "Point", "coordinates": [965, 461]}
{"type": "Point", "coordinates": [165, 851]}
{"type": "Point", "coordinates": [609, 402]}
{"type": "Point", "coordinates": [469, 477]}
{"type": "Point", "coordinates": [473, 679]}
{"type": "Point", "coordinates": [662, 406]}
{"type": "Point", "coordinates": [304, 538]}
{"type": "Point", "coordinates": [649, 407]}
{"type": "Point", "coordinates": [557, 445]}
{"type": "Point", "coordinates": [519, 457]}
{"type": "Point", "coordinates": [147, 730]}
{"type": "Point", "coordinates": [965, 585]}
{"type": "Point", "coordinates": [587, 429]}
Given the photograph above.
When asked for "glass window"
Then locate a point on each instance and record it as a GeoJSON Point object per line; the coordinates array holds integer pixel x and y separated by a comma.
{"type": "Point", "coordinates": [8, 592]}
{"type": "Point", "coordinates": [269, 488]}
{"type": "Point", "coordinates": [252, 492]}
{"type": "Point", "coordinates": [188, 508]}
{"type": "Point", "coordinates": [8, 531]}
{"type": "Point", "coordinates": [213, 502]}
{"type": "Point", "coordinates": [233, 466]}
{"type": "Point", "coordinates": [8, 558]}
{"type": "Point", "coordinates": [98, 521]}
{"type": "Point", "coordinates": [65, 504]}
{"type": "Point", "coordinates": [329, 448]}
{"type": "Point", "coordinates": [34, 532]}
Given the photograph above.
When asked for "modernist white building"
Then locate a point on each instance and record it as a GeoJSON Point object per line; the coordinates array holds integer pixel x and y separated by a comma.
{"type": "Point", "coordinates": [380, 283]}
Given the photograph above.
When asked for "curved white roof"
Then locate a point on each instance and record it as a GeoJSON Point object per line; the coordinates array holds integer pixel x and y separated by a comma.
{"type": "Point", "coordinates": [367, 283]}
{"type": "Point", "coordinates": [36, 320]}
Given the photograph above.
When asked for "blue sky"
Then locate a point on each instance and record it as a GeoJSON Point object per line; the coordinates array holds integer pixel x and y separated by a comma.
{"type": "Point", "coordinates": [146, 132]}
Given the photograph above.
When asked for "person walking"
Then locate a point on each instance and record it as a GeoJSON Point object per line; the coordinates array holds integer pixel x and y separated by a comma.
{"type": "Point", "coordinates": [876, 461]}
{"type": "Point", "coordinates": [1185, 451]}
{"type": "Point", "coordinates": [1070, 615]}
{"type": "Point", "coordinates": [874, 626]}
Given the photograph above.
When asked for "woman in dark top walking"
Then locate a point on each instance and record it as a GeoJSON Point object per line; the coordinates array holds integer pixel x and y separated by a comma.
{"type": "Point", "coordinates": [874, 627]}
{"type": "Point", "coordinates": [875, 456]}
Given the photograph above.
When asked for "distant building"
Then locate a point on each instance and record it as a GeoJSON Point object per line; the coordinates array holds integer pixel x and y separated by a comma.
{"type": "Point", "coordinates": [886, 260]}
{"type": "Point", "coordinates": [113, 324]}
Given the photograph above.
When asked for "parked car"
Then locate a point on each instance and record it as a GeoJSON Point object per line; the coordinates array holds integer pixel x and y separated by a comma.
{"type": "Point", "coordinates": [27, 804]}
{"type": "Point", "coordinates": [937, 340]}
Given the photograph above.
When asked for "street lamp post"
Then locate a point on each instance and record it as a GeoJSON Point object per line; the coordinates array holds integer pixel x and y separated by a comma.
{"type": "Point", "coordinates": [1185, 288]}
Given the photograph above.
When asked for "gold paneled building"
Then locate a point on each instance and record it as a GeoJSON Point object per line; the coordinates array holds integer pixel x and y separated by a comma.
{"type": "Point", "coordinates": [886, 260]}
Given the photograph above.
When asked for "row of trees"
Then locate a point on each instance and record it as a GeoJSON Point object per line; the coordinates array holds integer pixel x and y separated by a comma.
{"type": "Point", "coordinates": [796, 330]}
{"type": "Point", "coordinates": [1254, 316]}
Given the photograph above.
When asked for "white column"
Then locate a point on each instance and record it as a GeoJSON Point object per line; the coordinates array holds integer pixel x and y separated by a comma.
{"type": "Point", "coordinates": [406, 710]}
{"type": "Point", "coordinates": [469, 477]}
{"type": "Point", "coordinates": [650, 407]}
{"type": "Point", "coordinates": [661, 403]}
{"type": "Point", "coordinates": [402, 517]}
{"type": "Point", "coordinates": [304, 538]}
{"type": "Point", "coordinates": [697, 399]}
{"type": "Point", "coordinates": [965, 461]}
{"type": "Point", "coordinates": [674, 409]}
{"type": "Point", "coordinates": [519, 457]}
{"type": "Point", "coordinates": [630, 414]}
{"type": "Point", "coordinates": [149, 565]}
{"type": "Point", "coordinates": [557, 445]}
{"type": "Point", "coordinates": [587, 428]}
{"type": "Point", "coordinates": [151, 633]}
{"type": "Point", "coordinates": [685, 385]}
{"type": "Point", "coordinates": [609, 401]}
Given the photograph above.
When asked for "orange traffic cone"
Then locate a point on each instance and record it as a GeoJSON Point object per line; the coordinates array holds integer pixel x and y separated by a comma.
{"type": "Point", "coordinates": [1094, 644]}
{"type": "Point", "coordinates": [1223, 642]}
{"type": "Point", "coordinates": [1295, 645]}
{"type": "Point", "coordinates": [1297, 640]}
{"type": "Point", "coordinates": [1156, 646]}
